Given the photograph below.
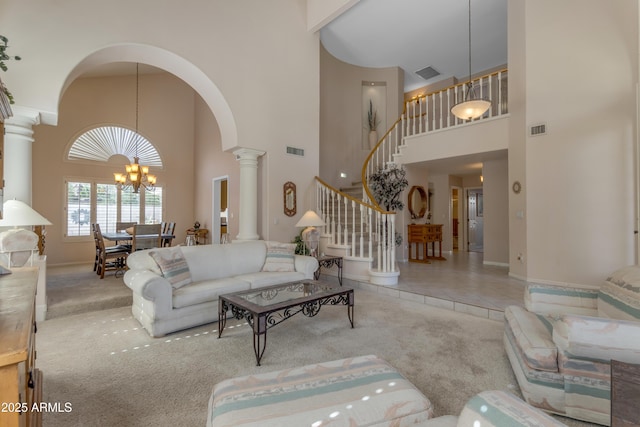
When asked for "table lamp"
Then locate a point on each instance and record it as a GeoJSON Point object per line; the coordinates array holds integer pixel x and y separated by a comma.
{"type": "Point", "coordinates": [19, 243]}
{"type": "Point", "coordinates": [311, 235]}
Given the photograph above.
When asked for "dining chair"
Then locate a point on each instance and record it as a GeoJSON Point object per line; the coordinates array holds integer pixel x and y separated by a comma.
{"type": "Point", "coordinates": [122, 226]}
{"type": "Point", "coordinates": [146, 236]}
{"type": "Point", "coordinates": [171, 227]}
{"type": "Point", "coordinates": [109, 257]}
{"type": "Point", "coordinates": [97, 235]}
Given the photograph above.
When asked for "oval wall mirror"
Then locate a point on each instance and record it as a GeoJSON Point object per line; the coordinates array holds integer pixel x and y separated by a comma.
{"type": "Point", "coordinates": [417, 202]}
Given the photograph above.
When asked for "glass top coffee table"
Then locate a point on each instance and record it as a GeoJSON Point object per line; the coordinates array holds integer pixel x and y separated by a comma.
{"type": "Point", "coordinates": [266, 307]}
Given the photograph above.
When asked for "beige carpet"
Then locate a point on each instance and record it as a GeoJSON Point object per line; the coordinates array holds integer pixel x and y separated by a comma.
{"type": "Point", "coordinates": [111, 372]}
{"type": "Point", "coordinates": [77, 289]}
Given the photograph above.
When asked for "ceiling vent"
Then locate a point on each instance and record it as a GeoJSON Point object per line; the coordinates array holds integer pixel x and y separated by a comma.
{"type": "Point", "coordinates": [295, 151]}
{"type": "Point", "coordinates": [428, 73]}
{"type": "Point", "coordinates": [537, 130]}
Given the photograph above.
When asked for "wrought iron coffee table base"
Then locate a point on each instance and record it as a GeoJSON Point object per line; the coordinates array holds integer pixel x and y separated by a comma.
{"type": "Point", "coordinates": [263, 320]}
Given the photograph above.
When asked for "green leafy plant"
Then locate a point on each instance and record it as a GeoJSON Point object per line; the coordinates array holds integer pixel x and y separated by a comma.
{"type": "Point", "coordinates": [4, 45]}
{"type": "Point", "coordinates": [301, 248]}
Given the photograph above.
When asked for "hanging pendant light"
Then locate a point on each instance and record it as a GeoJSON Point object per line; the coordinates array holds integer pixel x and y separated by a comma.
{"type": "Point", "coordinates": [472, 107]}
{"type": "Point", "coordinates": [135, 175]}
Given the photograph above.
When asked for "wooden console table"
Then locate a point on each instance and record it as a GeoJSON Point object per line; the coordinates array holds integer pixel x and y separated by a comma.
{"type": "Point", "coordinates": [200, 235]}
{"type": "Point", "coordinates": [20, 381]}
{"type": "Point", "coordinates": [421, 235]}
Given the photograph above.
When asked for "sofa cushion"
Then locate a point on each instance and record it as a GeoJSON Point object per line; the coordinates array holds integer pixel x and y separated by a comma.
{"type": "Point", "coordinates": [619, 296]}
{"type": "Point", "coordinates": [280, 257]}
{"type": "Point", "coordinates": [545, 299]}
{"type": "Point", "coordinates": [173, 266]}
{"type": "Point", "coordinates": [358, 391]}
{"type": "Point", "coordinates": [208, 262]}
{"type": "Point", "coordinates": [140, 260]}
{"type": "Point", "coordinates": [206, 291]}
{"type": "Point", "coordinates": [533, 335]}
{"type": "Point", "coordinates": [262, 279]}
{"type": "Point", "coordinates": [496, 408]}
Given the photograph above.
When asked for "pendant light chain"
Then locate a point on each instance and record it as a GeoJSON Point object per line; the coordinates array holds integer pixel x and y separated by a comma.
{"type": "Point", "coordinates": [136, 175]}
{"type": "Point", "coordinates": [138, 98]}
{"type": "Point", "coordinates": [470, 84]}
{"type": "Point", "coordinates": [470, 108]}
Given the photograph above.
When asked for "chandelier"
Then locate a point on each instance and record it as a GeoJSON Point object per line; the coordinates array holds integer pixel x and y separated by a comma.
{"type": "Point", "coordinates": [472, 107]}
{"type": "Point", "coordinates": [135, 175]}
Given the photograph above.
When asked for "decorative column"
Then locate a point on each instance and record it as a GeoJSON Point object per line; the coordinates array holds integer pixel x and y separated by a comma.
{"type": "Point", "coordinates": [248, 215]}
{"type": "Point", "coordinates": [17, 156]}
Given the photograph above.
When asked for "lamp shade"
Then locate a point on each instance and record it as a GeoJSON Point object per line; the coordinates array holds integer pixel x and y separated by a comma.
{"type": "Point", "coordinates": [471, 109]}
{"type": "Point", "coordinates": [19, 214]}
{"type": "Point", "coordinates": [310, 219]}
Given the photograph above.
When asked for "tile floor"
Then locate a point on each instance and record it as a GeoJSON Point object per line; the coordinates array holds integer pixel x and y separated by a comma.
{"type": "Point", "coordinates": [461, 283]}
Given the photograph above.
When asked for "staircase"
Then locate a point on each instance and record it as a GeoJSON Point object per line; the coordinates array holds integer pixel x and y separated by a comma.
{"type": "Point", "coordinates": [357, 228]}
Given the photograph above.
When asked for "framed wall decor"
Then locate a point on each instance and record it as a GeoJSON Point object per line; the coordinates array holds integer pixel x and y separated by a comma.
{"type": "Point", "coordinates": [289, 194]}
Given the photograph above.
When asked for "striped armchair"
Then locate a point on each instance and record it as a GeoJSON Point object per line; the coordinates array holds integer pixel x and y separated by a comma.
{"type": "Point", "coordinates": [561, 343]}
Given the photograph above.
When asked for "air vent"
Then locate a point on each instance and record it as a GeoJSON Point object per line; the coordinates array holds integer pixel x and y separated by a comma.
{"type": "Point", "coordinates": [428, 73]}
{"type": "Point", "coordinates": [538, 130]}
{"type": "Point", "coordinates": [295, 151]}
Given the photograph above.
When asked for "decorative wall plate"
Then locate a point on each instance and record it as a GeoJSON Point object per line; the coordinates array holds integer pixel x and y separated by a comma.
{"type": "Point", "coordinates": [516, 187]}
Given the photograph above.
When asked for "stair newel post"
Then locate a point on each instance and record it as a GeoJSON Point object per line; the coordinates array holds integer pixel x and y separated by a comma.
{"type": "Point", "coordinates": [392, 243]}
{"type": "Point", "coordinates": [370, 233]}
{"type": "Point", "coordinates": [362, 220]}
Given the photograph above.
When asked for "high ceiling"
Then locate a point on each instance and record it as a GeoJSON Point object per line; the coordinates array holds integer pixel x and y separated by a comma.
{"type": "Point", "coordinates": [414, 34]}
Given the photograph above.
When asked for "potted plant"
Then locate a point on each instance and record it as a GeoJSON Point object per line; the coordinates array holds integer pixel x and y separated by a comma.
{"type": "Point", "coordinates": [372, 125]}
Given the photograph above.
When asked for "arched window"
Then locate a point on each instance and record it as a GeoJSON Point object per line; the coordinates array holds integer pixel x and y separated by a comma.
{"type": "Point", "coordinates": [101, 143]}
{"type": "Point", "coordinates": [90, 200]}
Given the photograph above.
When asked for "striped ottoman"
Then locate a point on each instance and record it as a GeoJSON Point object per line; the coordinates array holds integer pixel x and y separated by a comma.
{"type": "Point", "coordinates": [358, 391]}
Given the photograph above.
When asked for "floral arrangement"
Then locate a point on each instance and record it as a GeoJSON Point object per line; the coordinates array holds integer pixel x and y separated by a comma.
{"type": "Point", "coordinates": [387, 185]}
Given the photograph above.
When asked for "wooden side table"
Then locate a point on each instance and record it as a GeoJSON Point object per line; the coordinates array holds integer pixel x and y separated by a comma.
{"type": "Point", "coordinates": [200, 234]}
{"type": "Point", "coordinates": [422, 235]}
{"type": "Point", "coordinates": [329, 261]}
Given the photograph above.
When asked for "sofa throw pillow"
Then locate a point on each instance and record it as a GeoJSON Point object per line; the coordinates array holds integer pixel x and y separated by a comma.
{"type": "Point", "coordinates": [173, 266]}
{"type": "Point", "coordinates": [280, 257]}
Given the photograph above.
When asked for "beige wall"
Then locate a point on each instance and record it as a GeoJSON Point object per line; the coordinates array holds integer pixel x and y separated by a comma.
{"type": "Point", "coordinates": [254, 64]}
{"type": "Point", "coordinates": [495, 189]}
{"type": "Point", "coordinates": [341, 115]}
{"type": "Point", "coordinates": [579, 178]}
{"type": "Point", "coordinates": [211, 162]}
{"type": "Point", "coordinates": [93, 102]}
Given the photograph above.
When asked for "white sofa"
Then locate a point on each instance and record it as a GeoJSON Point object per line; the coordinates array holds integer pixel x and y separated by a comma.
{"type": "Point", "coordinates": [561, 343]}
{"type": "Point", "coordinates": [213, 270]}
